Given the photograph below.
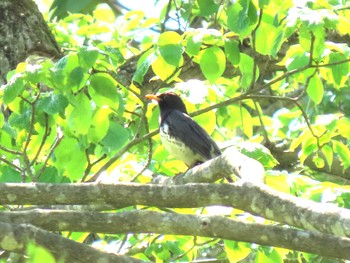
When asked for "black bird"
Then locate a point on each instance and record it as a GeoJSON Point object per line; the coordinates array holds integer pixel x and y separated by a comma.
{"type": "Point", "coordinates": [180, 134]}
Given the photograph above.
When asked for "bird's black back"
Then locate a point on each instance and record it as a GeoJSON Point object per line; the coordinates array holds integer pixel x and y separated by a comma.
{"type": "Point", "coordinates": [185, 129]}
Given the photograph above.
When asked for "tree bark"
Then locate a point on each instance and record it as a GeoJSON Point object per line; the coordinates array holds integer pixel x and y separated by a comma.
{"type": "Point", "coordinates": [143, 221]}
{"type": "Point", "coordinates": [257, 199]}
{"type": "Point", "coordinates": [15, 238]}
{"type": "Point", "coordinates": [23, 32]}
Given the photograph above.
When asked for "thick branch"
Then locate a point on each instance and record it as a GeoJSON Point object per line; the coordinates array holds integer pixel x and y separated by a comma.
{"type": "Point", "coordinates": [256, 199]}
{"type": "Point", "coordinates": [230, 162]}
{"type": "Point", "coordinates": [182, 224]}
{"type": "Point", "coordinates": [15, 238]}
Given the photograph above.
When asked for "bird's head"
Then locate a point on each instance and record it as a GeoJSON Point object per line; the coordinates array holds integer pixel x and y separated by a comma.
{"type": "Point", "coordinates": [168, 101]}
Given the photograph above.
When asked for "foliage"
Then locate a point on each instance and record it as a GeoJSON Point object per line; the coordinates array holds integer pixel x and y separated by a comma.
{"type": "Point", "coordinates": [276, 72]}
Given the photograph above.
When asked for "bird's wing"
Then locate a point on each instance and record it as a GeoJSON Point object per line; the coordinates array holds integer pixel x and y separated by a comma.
{"type": "Point", "coordinates": [182, 126]}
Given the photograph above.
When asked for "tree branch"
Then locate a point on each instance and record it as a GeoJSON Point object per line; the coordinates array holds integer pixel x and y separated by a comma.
{"type": "Point", "coordinates": [230, 162]}
{"type": "Point", "coordinates": [15, 238]}
{"type": "Point", "coordinates": [184, 224]}
{"type": "Point", "coordinates": [254, 198]}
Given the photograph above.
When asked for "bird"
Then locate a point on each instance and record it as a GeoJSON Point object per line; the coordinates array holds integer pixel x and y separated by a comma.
{"type": "Point", "coordinates": [181, 136]}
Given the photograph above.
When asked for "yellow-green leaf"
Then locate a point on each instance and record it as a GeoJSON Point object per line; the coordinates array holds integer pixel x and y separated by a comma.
{"type": "Point", "coordinates": [212, 63]}
{"type": "Point", "coordinates": [99, 125]}
{"type": "Point", "coordinates": [80, 118]}
{"type": "Point", "coordinates": [169, 37]}
{"type": "Point", "coordinates": [328, 154]}
{"type": "Point", "coordinates": [105, 15]}
{"type": "Point", "coordinates": [315, 89]}
{"type": "Point", "coordinates": [163, 69]}
{"type": "Point", "coordinates": [343, 151]}
{"type": "Point", "coordinates": [236, 251]}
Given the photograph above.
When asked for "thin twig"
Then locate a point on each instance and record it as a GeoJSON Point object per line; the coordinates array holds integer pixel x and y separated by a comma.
{"type": "Point", "coordinates": [255, 67]}
{"type": "Point", "coordinates": [90, 165]}
{"type": "Point", "coordinates": [162, 27]}
{"type": "Point", "coordinates": [10, 151]}
{"type": "Point", "coordinates": [121, 152]}
{"type": "Point", "coordinates": [53, 147]}
{"type": "Point", "coordinates": [261, 122]}
{"type": "Point", "coordinates": [26, 160]}
{"type": "Point", "coordinates": [46, 134]}
{"type": "Point", "coordinates": [11, 164]}
{"type": "Point", "coordinates": [123, 243]}
{"type": "Point", "coordinates": [293, 100]}
{"type": "Point", "coordinates": [312, 44]}
{"type": "Point", "coordinates": [150, 145]}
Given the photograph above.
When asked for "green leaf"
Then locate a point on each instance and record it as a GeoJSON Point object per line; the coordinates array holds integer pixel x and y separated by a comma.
{"type": "Point", "coordinates": [207, 121]}
{"type": "Point", "coordinates": [268, 255]}
{"type": "Point", "coordinates": [169, 38]}
{"type": "Point", "coordinates": [39, 254]}
{"type": "Point", "coordinates": [143, 65]}
{"type": "Point", "coordinates": [212, 37]}
{"type": "Point", "coordinates": [263, 3]}
{"type": "Point", "coordinates": [232, 51]}
{"type": "Point", "coordinates": [21, 120]}
{"type": "Point", "coordinates": [259, 153]}
{"type": "Point", "coordinates": [115, 54]}
{"type": "Point", "coordinates": [343, 152]}
{"type": "Point", "coordinates": [51, 175]}
{"type": "Point", "coordinates": [2, 119]}
{"type": "Point", "coordinates": [9, 175]}
{"type": "Point", "coordinates": [236, 251]}
{"type": "Point", "coordinates": [340, 70]}
{"type": "Point", "coordinates": [116, 137]}
{"type": "Point", "coordinates": [318, 161]}
{"type": "Point", "coordinates": [60, 9]}
{"type": "Point", "coordinates": [35, 73]}
{"type": "Point", "coordinates": [77, 79]}
{"type": "Point", "coordinates": [13, 89]}
{"type": "Point", "coordinates": [53, 104]}
{"type": "Point", "coordinates": [246, 66]}
{"type": "Point", "coordinates": [238, 117]}
{"type": "Point", "coordinates": [164, 70]}
{"type": "Point", "coordinates": [252, 12]}
{"type": "Point", "coordinates": [80, 118]}
{"type": "Point", "coordinates": [309, 145]}
{"type": "Point", "coordinates": [315, 89]}
{"type": "Point", "coordinates": [103, 90]}
{"type": "Point", "coordinates": [212, 63]}
{"type": "Point", "coordinates": [343, 127]}
{"type": "Point", "coordinates": [62, 70]}
{"type": "Point", "coordinates": [305, 40]}
{"type": "Point", "coordinates": [193, 45]}
{"type": "Point", "coordinates": [297, 141]}
{"type": "Point", "coordinates": [87, 57]}
{"type": "Point", "coordinates": [69, 157]}
{"type": "Point", "coordinates": [171, 54]}
{"type": "Point", "coordinates": [207, 7]}
{"type": "Point", "coordinates": [99, 125]}
{"type": "Point", "coordinates": [237, 20]}
{"type": "Point", "coordinates": [241, 16]}
{"type": "Point", "coordinates": [298, 59]}
{"type": "Point", "coordinates": [8, 129]}
{"type": "Point", "coordinates": [275, 37]}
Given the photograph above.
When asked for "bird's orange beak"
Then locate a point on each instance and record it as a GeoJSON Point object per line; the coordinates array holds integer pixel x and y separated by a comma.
{"type": "Point", "coordinates": [152, 97]}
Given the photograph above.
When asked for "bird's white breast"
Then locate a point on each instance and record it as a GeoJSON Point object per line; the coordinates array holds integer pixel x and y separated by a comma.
{"type": "Point", "coordinates": [178, 149]}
